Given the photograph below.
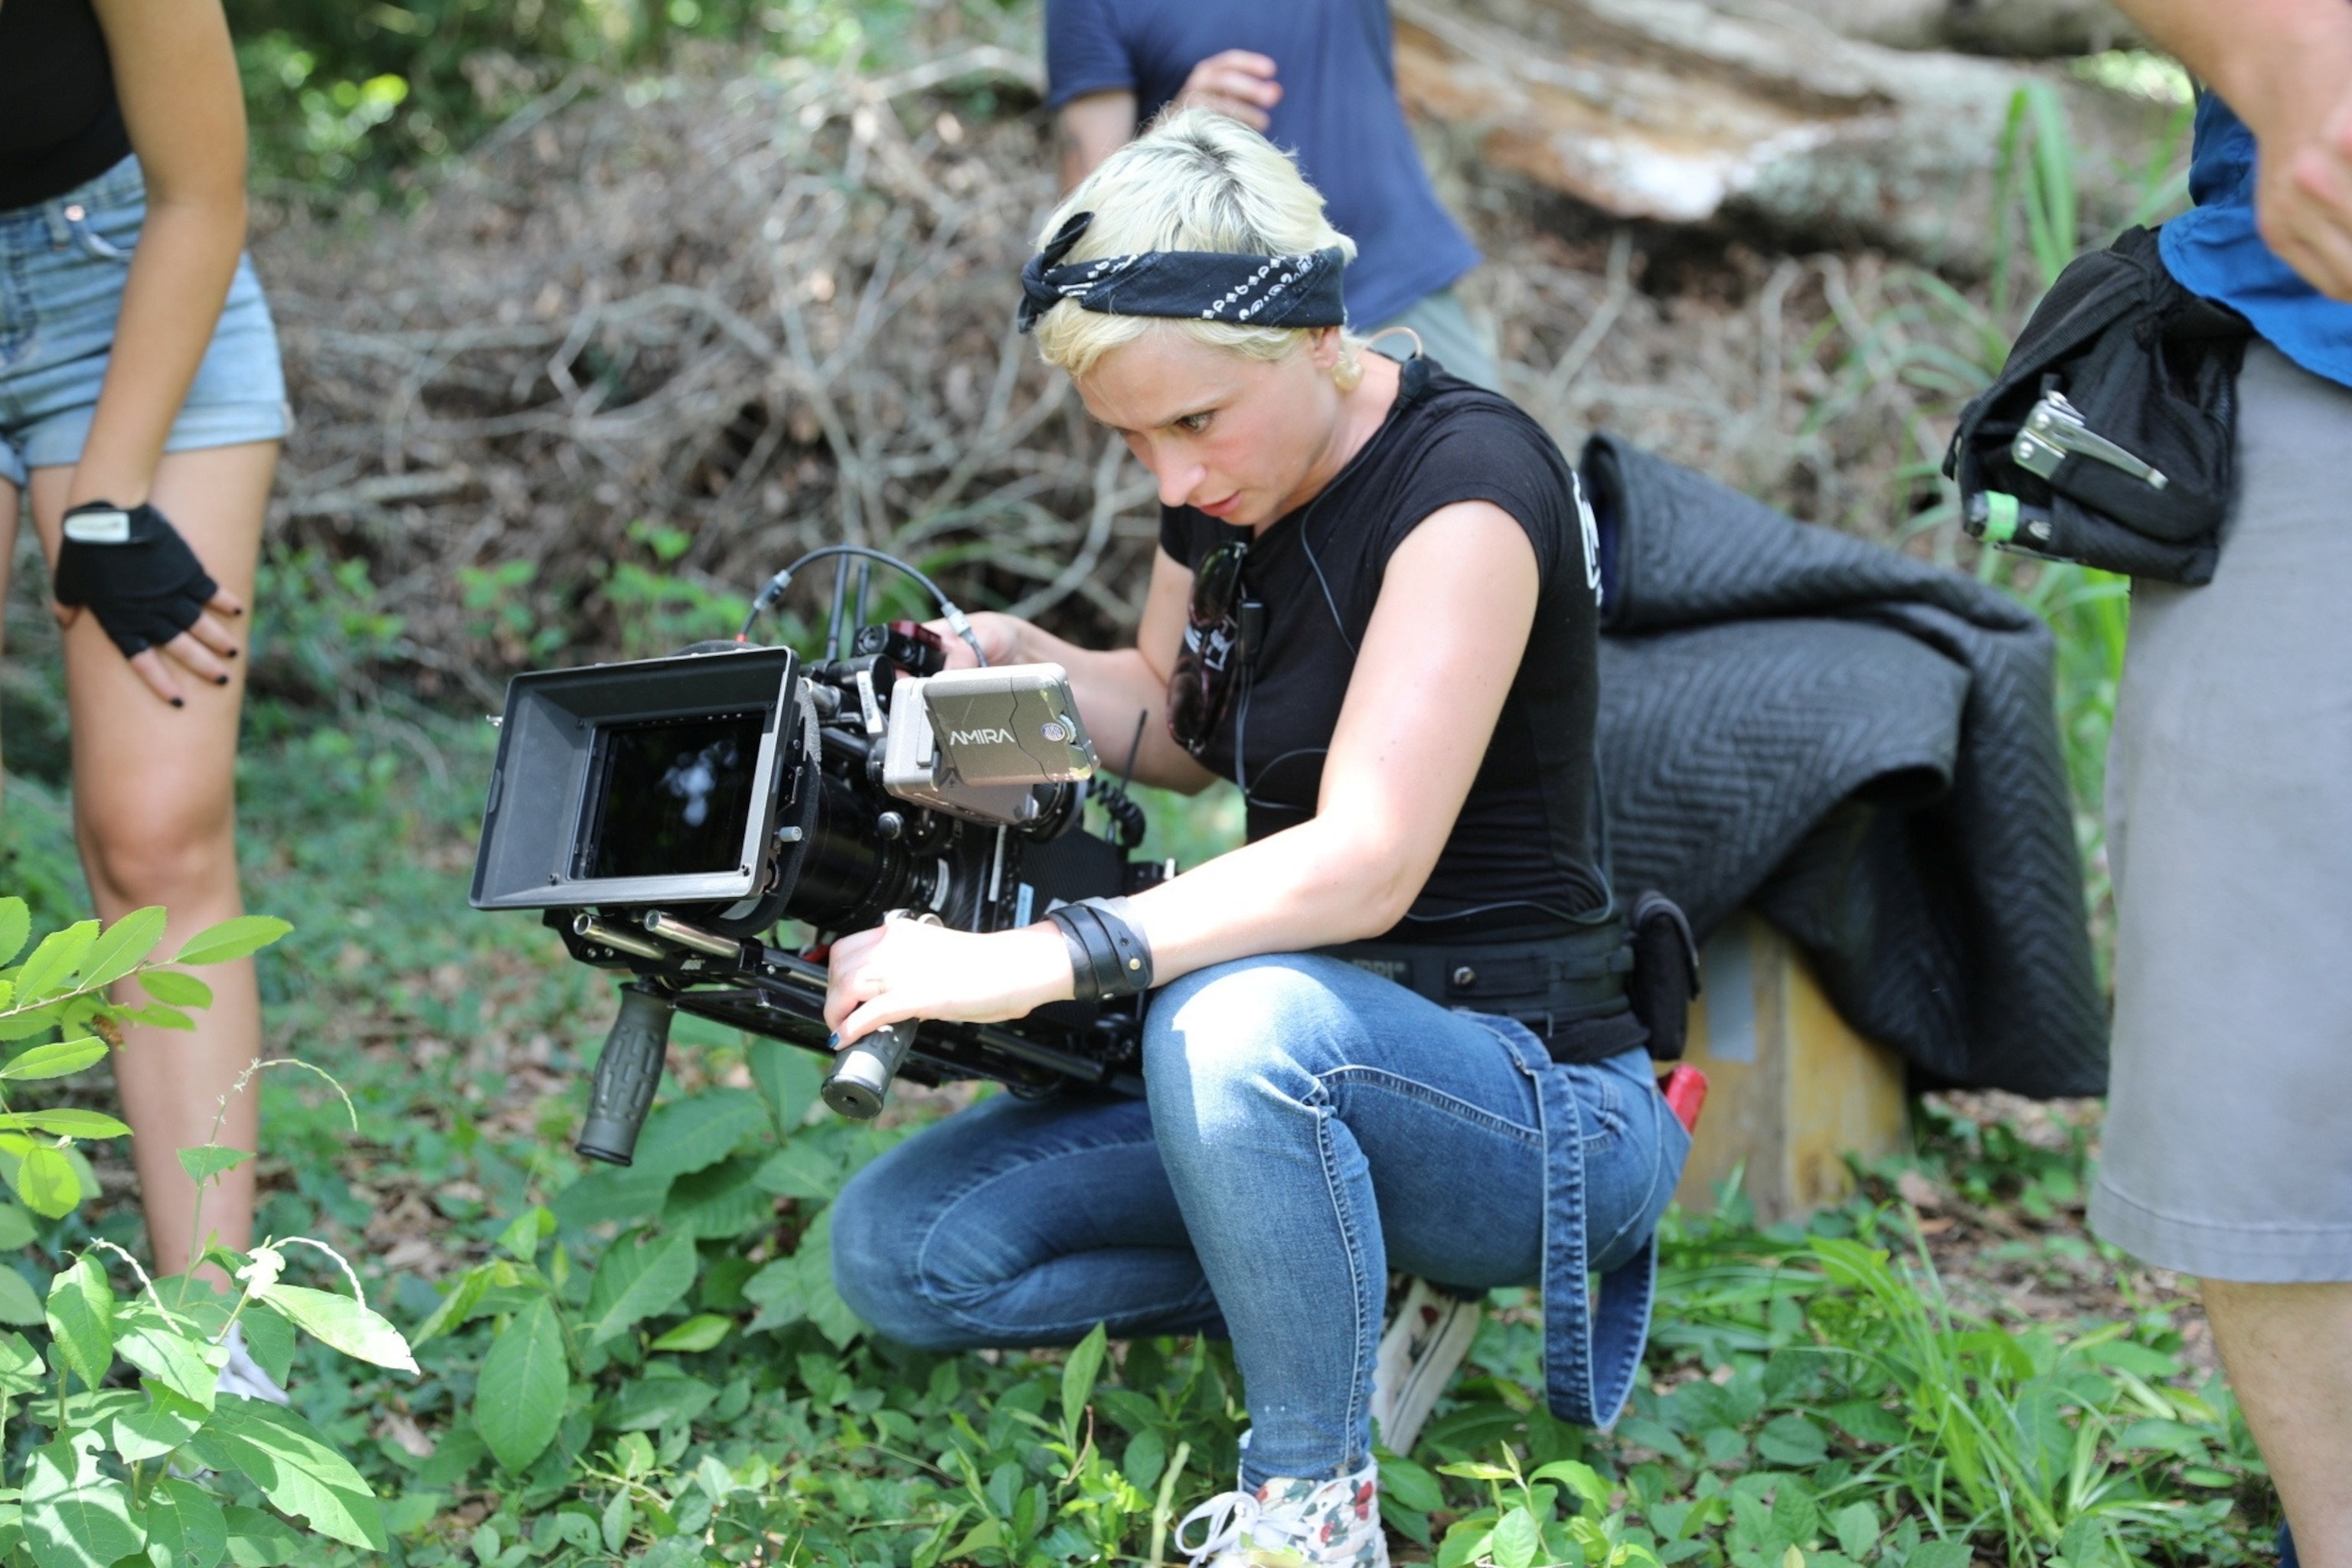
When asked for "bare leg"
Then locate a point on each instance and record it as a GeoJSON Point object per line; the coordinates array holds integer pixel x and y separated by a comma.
{"type": "Point", "coordinates": [2288, 1349]}
{"type": "Point", "coordinates": [155, 814]}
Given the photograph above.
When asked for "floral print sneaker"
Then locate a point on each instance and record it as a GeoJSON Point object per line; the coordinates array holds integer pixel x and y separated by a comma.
{"type": "Point", "coordinates": [1288, 1523]}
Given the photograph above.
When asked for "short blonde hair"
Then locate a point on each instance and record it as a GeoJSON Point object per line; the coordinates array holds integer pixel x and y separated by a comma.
{"type": "Point", "coordinates": [1197, 180]}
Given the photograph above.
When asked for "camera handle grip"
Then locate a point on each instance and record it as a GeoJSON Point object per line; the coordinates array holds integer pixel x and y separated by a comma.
{"type": "Point", "coordinates": [860, 1080]}
{"type": "Point", "coordinates": [626, 1074]}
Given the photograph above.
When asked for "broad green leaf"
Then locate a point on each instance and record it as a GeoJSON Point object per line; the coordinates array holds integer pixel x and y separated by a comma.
{"type": "Point", "coordinates": [186, 1521]}
{"type": "Point", "coordinates": [232, 939]}
{"type": "Point", "coordinates": [67, 1122]}
{"type": "Point", "coordinates": [637, 1279]}
{"type": "Point", "coordinates": [203, 1165]}
{"type": "Point", "coordinates": [610, 1192]}
{"type": "Point", "coordinates": [24, 1026]}
{"type": "Point", "coordinates": [518, 1400]}
{"type": "Point", "coordinates": [55, 1060]}
{"type": "Point", "coordinates": [1078, 1375]}
{"type": "Point", "coordinates": [22, 1370]}
{"type": "Point", "coordinates": [174, 989]}
{"type": "Point", "coordinates": [1517, 1538]}
{"type": "Point", "coordinates": [19, 1304]}
{"type": "Point", "coordinates": [51, 967]}
{"type": "Point", "coordinates": [1939, 1554]}
{"type": "Point", "coordinates": [652, 1403]}
{"type": "Point", "coordinates": [75, 1517]}
{"type": "Point", "coordinates": [789, 1079]}
{"type": "Point", "coordinates": [279, 1452]}
{"type": "Point", "coordinates": [269, 1340]}
{"type": "Point", "coordinates": [802, 1168]}
{"type": "Point", "coordinates": [1793, 1441]}
{"type": "Point", "coordinates": [1477, 1470]}
{"type": "Point", "coordinates": [1579, 1479]}
{"type": "Point", "coordinates": [158, 1017]}
{"type": "Point", "coordinates": [15, 925]}
{"type": "Point", "coordinates": [259, 1539]}
{"type": "Point", "coordinates": [722, 1200]}
{"type": "Point", "coordinates": [350, 1326]}
{"type": "Point", "coordinates": [155, 1431]}
{"type": "Point", "coordinates": [1857, 1527]}
{"type": "Point", "coordinates": [702, 1129]}
{"type": "Point", "coordinates": [465, 1294]}
{"type": "Point", "coordinates": [44, 1179]}
{"type": "Point", "coordinates": [1794, 1512]}
{"type": "Point", "coordinates": [119, 949]}
{"type": "Point", "coordinates": [81, 1320]}
{"type": "Point", "coordinates": [178, 1357]}
{"type": "Point", "coordinates": [530, 1227]}
{"type": "Point", "coordinates": [620, 1519]}
{"type": "Point", "coordinates": [699, 1332]}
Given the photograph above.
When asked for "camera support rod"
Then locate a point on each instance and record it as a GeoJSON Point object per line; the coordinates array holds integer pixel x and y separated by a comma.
{"type": "Point", "coordinates": [669, 928]}
{"type": "Point", "coordinates": [612, 936]}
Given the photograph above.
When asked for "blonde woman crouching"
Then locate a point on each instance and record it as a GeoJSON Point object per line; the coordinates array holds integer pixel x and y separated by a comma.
{"type": "Point", "coordinates": [1374, 608]}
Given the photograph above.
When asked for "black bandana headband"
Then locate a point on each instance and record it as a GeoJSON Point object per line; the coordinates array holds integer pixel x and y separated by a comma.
{"type": "Point", "coordinates": [1187, 285]}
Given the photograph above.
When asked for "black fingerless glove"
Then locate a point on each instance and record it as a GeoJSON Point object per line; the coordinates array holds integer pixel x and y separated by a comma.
{"type": "Point", "coordinates": [129, 567]}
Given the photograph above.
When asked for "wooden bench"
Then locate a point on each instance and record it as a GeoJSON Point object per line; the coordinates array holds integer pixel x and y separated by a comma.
{"type": "Point", "coordinates": [1792, 1089]}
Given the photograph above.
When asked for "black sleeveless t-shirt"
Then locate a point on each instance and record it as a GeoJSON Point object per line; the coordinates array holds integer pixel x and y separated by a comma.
{"type": "Point", "coordinates": [59, 123]}
{"type": "Point", "coordinates": [1521, 860]}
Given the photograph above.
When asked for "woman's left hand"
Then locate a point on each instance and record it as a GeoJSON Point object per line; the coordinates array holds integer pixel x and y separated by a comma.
{"type": "Point", "coordinates": [910, 969]}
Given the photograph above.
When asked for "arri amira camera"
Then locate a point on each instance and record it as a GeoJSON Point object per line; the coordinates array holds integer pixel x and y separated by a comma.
{"type": "Point", "coordinates": [666, 814]}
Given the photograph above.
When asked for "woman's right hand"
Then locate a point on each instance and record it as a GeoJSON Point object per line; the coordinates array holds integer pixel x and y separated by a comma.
{"type": "Point", "coordinates": [998, 633]}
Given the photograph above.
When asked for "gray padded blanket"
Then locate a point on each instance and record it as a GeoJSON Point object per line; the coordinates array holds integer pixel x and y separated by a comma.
{"type": "Point", "coordinates": [1860, 747]}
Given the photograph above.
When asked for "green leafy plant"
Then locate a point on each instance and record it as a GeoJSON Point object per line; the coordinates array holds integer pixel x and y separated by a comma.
{"type": "Point", "coordinates": [1522, 1525]}
{"type": "Point", "coordinates": [146, 1471]}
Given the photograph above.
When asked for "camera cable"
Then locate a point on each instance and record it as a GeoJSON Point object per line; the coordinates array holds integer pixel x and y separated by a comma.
{"type": "Point", "coordinates": [774, 589]}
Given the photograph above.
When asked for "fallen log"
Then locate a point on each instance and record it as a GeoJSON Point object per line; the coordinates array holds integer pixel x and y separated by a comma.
{"type": "Point", "coordinates": [1677, 111]}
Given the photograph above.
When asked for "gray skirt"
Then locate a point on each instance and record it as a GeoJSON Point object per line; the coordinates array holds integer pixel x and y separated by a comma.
{"type": "Point", "coordinates": [2228, 1149]}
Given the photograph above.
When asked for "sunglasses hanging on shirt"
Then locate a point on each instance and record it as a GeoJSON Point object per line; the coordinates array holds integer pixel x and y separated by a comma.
{"type": "Point", "coordinates": [1222, 628]}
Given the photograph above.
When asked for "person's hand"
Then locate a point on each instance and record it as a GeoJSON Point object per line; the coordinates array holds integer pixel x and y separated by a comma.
{"type": "Point", "coordinates": [910, 969]}
{"type": "Point", "coordinates": [131, 569]}
{"type": "Point", "coordinates": [1236, 82]}
{"type": "Point", "coordinates": [999, 636]}
{"type": "Point", "coordinates": [2304, 201]}
{"type": "Point", "coordinates": [2297, 100]}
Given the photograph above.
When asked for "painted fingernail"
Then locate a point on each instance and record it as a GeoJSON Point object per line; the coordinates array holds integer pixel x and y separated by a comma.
{"type": "Point", "coordinates": [230, 654]}
{"type": "Point", "coordinates": [179, 702]}
{"type": "Point", "coordinates": [833, 1042]}
{"type": "Point", "coordinates": [220, 681]}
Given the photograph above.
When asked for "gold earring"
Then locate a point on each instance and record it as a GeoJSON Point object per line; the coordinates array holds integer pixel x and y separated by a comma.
{"type": "Point", "coordinates": [1349, 373]}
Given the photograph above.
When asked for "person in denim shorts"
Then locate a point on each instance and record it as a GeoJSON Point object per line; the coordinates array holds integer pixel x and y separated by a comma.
{"type": "Point", "coordinates": [1411, 722]}
{"type": "Point", "coordinates": [141, 404]}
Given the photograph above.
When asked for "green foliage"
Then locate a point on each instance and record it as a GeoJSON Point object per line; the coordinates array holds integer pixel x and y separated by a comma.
{"type": "Point", "coordinates": [348, 99]}
{"type": "Point", "coordinates": [127, 1471]}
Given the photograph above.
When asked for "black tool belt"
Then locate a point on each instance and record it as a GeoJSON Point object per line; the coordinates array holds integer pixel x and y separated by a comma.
{"type": "Point", "coordinates": [2109, 435]}
{"type": "Point", "coordinates": [1570, 991]}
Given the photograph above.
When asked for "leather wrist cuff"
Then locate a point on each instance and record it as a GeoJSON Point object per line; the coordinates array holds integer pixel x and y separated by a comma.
{"type": "Point", "coordinates": [1108, 957]}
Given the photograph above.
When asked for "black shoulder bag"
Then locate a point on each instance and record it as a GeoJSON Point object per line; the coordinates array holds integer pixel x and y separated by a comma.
{"type": "Point", "coordinates": [2107, 438]}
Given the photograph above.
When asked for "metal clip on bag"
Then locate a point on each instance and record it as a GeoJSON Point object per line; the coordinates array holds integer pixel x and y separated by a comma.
{"type": "Point", "coordinates": [2108, 436]}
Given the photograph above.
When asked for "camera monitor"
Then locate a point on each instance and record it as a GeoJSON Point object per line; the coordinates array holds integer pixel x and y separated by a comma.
{"type": "Point", "coordinates": [649, 783]}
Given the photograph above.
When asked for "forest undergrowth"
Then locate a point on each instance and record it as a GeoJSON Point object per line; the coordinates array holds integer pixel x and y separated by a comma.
{"type": "Point", "coordinates": [651, 1366]}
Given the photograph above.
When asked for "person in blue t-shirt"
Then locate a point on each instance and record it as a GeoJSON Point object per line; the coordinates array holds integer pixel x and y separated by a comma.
{"type": "Point", "coordinates": [2227, 1154]}
{"type": "Point", "coordinates": [1318, 78]}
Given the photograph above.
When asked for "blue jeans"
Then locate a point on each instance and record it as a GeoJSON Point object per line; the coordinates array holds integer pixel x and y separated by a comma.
{"type": "Point", "coordinates": [1309, 1128]}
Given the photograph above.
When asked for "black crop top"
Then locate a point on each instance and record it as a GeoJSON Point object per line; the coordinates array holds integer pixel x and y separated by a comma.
{"type": "Point", "coordinates": [59, 121]}
{"type": "Point", "coordinates": [1521, 858]}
